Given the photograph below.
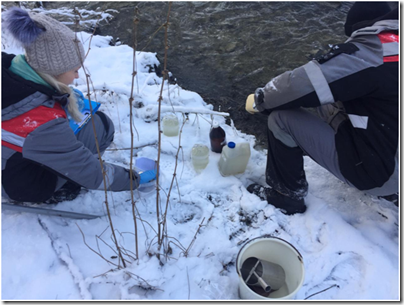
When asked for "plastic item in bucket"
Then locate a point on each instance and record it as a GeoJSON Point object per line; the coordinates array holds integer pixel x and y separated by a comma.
{"type": "Point", "coordinates": [267, 275]}
{"type": "Point", "coordinates": [142, 165]}
{"type": "Point", "coordinates": [277, 251]}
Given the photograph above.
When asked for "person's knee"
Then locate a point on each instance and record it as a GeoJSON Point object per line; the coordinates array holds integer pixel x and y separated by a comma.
{"type": "Point", "coordinates": [276, 124]}
{"type": "Point", "coordinates": [108, 126]}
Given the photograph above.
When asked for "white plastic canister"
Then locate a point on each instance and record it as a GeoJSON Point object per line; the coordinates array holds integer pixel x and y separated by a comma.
{"type": "Point", "coordinates": [278, 251]}
{"type": "Point", "coordinates": [234, 158]}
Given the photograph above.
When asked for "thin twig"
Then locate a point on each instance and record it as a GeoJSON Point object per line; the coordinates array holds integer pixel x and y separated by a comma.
{"type": "Point", "coordinates": [150, 244]}
{"type": "Point", "coordinates": [91, 38]}
{"type": "Point", "coordinates": [174, 175]}
{"type": "Point", "coordinates": [117, 110]}
{"type": "Point", "coordinates": [165, 73]}
{"type": "Point", "coordinates": [104, 274]}
{"type": "Point", "coordinates": [97, 144]}
{"type": "Point", "coordinates": [134, 72]}
{"type": "Point", "coordinates": [152, 36]}
{"type": "Point", "coordinates": [179, 246]}
{"type": "Point", "coordinates": [189, 286]}
{"type": "Point", "coordinates": [84, 240]}
{"type": "Point", "coordinates": [193, 240]}
{"type": "Point", "coordinates": [143, 280]}
{"type": "Point", "coordinates": [113, 250]}
{"type": "Point", "coordinates": [335, 285]}
{"type": "Point", "coordinates": [129, 148]}
{"type": "Point", "coordinates": [70, 254]}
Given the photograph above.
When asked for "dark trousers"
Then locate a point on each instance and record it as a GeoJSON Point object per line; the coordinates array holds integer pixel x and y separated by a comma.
{"type": "Point", "coordinates": [296, 131]}
{"type": "Point", "coordinates": [284, 171]}
{"type": "Point", "coordinates": [292, 134]}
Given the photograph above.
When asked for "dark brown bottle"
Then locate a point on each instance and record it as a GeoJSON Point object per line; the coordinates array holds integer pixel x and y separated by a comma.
{"type": "Point", "coordinates": [217, 138]}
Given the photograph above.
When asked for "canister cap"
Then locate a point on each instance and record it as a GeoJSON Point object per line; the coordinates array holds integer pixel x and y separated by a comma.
{"type": "Point", "coordinates": [231, 144]}
{"type": "Point", "coordinates": [215, 124]}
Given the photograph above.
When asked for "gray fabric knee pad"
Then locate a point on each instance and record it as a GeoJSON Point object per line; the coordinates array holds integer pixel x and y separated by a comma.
{"type": "Point", "coordinates": [276, 125]}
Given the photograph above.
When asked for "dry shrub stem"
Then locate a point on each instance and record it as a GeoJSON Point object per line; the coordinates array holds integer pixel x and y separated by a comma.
{"type": "Point", "coordinates": [164, 223]}
{"type": "Point", "coordinates": [91, 38]}
{"type": "Point", "coordinates": [84, 240]}
{"type": "Point", "coordinates": [193, 240]}
{"type": "Point", "coordinates": [135, 23]}
{"type": "Point", "coordinates": [165, 72]}
{"type": "Point", "coordinates": [161, 214]}
{"type": "Point", "coordinates": [129, 148]}
{"type": "Point", "coordinates": [97, 144]}
{"type": "Point", "coordinates": [335, 285]}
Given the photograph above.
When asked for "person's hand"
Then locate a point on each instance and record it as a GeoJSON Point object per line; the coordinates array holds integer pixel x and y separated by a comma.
{"type": "Point", "coordinates": [250, 104]}
{"type": "Point", "coordinates": [148, 176]}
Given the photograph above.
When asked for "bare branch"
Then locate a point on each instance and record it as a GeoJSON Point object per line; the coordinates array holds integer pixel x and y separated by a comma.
{"type": "Point", "coordinates": [193, 240]}
{"type": "Point", "coordinates": [91, 38]}
{"type": "Point", "coordinates": [335, 285]}
{"type": "Point", "coordinates": [135, 23]}
{"type": "Point", "coordinates": [96, 140]}
{"type": "Point", "coordinates": [130, 148]}
{"type": "Point", "coordinates": [165, 73]}
{"type": "Point", "coordinates": [84, 240]}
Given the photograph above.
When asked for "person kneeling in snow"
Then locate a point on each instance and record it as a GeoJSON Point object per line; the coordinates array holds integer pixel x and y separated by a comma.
{"type": "Point", "coordinates": [355, 136]}
{"type": "Point", "coordinates": [48, 150]}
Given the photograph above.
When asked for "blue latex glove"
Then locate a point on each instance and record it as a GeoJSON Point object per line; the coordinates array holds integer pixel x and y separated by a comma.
{"type": "Point", "coordinates": [148, 176]}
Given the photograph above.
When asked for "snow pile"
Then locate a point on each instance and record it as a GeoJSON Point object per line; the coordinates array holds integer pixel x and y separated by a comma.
{"type": "Point", "coordinates": [348, 240]}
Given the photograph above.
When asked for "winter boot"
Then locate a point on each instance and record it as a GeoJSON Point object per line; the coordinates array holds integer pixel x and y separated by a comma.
{"type": "Point", "coordinates": [68, 192]}
{"type": "Point", "coordinates": [392, 198]}
{"type": "Point", "coordinates": [287, 205]}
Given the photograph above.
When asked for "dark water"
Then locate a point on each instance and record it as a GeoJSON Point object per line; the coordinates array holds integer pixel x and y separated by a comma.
{"type": "Point", "coordinates": [225, 50]}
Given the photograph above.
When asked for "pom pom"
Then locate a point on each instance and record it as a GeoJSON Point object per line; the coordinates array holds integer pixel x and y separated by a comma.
{"type": "Point", "coordinates": [21, 26]}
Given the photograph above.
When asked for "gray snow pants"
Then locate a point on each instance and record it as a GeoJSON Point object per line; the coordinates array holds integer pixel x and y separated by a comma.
{"type": "Point", "coordinates": [105, 135]}
{"type": "Point", "coordinates": [293, 133]}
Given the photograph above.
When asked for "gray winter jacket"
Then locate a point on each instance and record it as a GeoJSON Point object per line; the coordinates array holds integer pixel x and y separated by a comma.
{"type": "Point", "coordinates": [39, 147]}
{"type": "Point", "coordinates": [359, 76]}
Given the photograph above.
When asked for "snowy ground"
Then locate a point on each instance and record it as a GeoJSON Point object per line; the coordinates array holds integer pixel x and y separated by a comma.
{"type": "Point", "coordinates": [346, 238]}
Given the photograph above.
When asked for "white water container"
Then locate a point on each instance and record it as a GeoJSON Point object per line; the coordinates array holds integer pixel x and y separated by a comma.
{"type": "Point", "coordinates": [234, 158]}
{"type": "Point", "coordinates": [171, 125]}
{"type": "Point", "coordinates": [200, 157]}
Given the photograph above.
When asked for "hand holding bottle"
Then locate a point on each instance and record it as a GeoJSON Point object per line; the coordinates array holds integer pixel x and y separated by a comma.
{"type": "Point", "coordinates": [148, 176]}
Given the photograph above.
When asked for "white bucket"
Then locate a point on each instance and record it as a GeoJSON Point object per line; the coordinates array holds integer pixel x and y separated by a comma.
{"type": "Point", "coordinates": [277, 251]}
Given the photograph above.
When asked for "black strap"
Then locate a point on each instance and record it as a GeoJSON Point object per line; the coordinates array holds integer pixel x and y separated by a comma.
{"type": "Point", "coordinates": [335, 50]}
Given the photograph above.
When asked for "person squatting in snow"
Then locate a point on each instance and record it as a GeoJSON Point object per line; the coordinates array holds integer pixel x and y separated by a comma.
{"type": "Point", "coordinates": [355, 135]}
{"type": "Point", "coordinates": [48, 150]}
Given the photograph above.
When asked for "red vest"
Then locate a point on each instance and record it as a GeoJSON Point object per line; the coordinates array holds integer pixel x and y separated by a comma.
{"type": "Point", "coordinates": [15, 131]}
{"type": "Point", "coordinates": [389, 39]}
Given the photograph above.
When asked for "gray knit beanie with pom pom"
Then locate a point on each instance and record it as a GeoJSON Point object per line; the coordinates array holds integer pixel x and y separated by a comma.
{"type": "Point", "coordinates": [50, 46]}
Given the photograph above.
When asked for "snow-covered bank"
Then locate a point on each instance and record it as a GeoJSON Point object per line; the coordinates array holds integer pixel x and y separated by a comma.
{"type": "Point", "coordinates": [346, 238]}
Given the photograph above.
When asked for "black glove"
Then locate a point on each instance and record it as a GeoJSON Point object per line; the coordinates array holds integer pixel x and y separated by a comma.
{"type": "Point", "coordinates": [259, 96]}
{"type": "Point", "coordinates": [259, 99]}
{"type": "Point", "coordinates": [135, 177]}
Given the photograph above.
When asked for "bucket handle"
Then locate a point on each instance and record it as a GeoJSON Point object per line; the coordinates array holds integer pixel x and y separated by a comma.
{"type": "Point", "coordinates": [300, 257]}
